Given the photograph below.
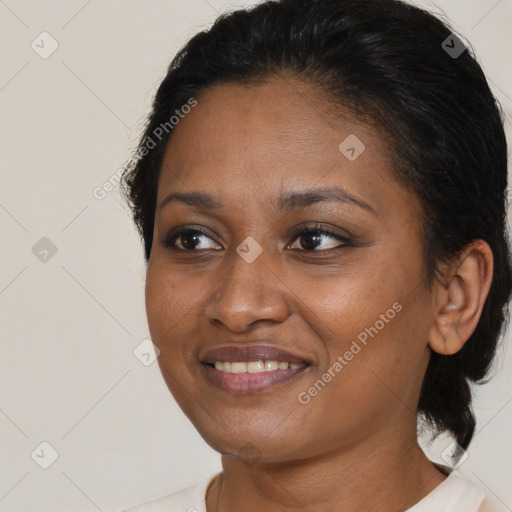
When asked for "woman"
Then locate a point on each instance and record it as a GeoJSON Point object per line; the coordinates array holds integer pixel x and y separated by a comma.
{"type": "Point", "coordinates": [321, 193]}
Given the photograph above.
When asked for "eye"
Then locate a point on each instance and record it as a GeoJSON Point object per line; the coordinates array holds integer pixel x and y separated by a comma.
{"type": "Point", "coordinates": [190, 239]}
{"type": "Point", "coordinates": [317, 236]}
{"type": "Point", "coordinates": [312, 239]}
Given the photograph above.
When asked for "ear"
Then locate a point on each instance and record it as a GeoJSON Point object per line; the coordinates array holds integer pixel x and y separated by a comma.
{"type": "Point", "coordinates": [460, 299]}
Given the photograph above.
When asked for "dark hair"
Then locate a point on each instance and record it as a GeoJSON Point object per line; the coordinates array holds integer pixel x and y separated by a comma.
{"type": "Point", "coordinates": [382, 60]}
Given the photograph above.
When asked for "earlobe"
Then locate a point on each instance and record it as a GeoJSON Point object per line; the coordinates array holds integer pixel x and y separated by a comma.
{"type": "Point", "coordinates": [453, 343]}
{"type": "Point", "coordinates": [445, 338]}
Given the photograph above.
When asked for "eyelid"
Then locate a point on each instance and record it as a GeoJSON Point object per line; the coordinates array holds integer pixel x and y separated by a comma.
{"type": "Point", "coordinates": [323, 228]}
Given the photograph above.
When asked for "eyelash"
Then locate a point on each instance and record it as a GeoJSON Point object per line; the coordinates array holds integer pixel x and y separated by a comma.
{"type": "Point", "coordinates": [318, 229]}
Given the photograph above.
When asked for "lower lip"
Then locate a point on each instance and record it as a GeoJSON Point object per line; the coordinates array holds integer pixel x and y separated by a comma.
{"type": "Point", "coordinates": [246, 383]}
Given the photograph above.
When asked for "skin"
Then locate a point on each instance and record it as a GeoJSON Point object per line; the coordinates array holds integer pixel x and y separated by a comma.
{"type": "Point", "coordinates": [355, 442]}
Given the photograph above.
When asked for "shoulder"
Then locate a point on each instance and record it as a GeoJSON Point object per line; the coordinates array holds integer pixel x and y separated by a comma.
{"type": "Point", "coordinates": [492, 504]}
{"type": "Point", "coordinates": [191, 499]}
{"type": "Point", "coordinates": [475, 494]}
{"type": "Point", "coordinates": [455, 494]}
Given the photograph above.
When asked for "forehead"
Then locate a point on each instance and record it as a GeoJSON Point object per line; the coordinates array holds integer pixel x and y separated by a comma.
{"type": "Point", "coordinates": [242, 140]}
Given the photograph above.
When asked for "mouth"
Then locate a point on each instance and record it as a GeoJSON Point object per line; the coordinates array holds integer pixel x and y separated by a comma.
{"type": "Point", "coordinates": [249, 377]}
{"type": "Point", "coordinates": [251, 369]}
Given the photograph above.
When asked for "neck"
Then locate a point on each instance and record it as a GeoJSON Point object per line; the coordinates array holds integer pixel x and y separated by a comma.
{"type": "Point", "coordinates": [380, 475]}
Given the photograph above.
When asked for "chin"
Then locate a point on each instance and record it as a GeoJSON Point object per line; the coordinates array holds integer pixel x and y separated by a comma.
{"type": "Point", "coordinates": [253, 445]}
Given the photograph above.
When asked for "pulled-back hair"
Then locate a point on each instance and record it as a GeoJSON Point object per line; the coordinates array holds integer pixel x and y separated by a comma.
{"type": "Point", "coordinates": [382, 60]}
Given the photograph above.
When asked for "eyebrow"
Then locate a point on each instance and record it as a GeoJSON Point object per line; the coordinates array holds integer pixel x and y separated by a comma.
{"type": "Point", "coordinates": [287, 201]}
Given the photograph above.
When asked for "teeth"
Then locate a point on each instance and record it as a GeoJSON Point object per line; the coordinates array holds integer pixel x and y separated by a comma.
{"type": "Point", "coordinates": [238, 367]}
{"type": "Point", "coordinates": [255, 366]}
{"type": "Point", "coordinates": [271, 365]}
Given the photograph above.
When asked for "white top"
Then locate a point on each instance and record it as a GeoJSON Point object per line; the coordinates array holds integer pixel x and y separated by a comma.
{"type": "Point", "coordinates": [454, 494]}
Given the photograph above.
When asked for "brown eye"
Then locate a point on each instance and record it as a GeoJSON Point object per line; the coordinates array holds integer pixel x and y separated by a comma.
{"type": "Point", "coordinates": [311, 239]}
{"type": "Point", "coordinates": [190, 239]}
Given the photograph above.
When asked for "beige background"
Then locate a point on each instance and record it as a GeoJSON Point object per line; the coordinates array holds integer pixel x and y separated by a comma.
{"type": "Point", "coordinates": [69, 325]}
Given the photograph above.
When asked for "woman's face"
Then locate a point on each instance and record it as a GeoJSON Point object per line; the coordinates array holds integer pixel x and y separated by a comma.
{"type": "Point", "coordinates": [355, 309]}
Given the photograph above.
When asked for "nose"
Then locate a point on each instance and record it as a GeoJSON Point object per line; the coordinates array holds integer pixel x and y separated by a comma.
{"type": "Point", "coordinates": [248, 293]}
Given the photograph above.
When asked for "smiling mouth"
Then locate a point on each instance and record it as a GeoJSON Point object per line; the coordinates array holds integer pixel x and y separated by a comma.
{"type": "Point", "coordinates": [246, 377]}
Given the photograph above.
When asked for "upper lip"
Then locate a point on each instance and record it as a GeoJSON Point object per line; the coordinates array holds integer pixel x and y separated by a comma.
{"type": "Point", "coordinates": [250, 353]}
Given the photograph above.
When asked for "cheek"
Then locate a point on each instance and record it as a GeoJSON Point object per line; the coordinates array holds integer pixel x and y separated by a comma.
{"type": "Point", "coordinates": [173, 309]}
{"type": "Point", "coordinates": [160, 296]}
{"type": "Point", "coordinates": [170, 314]}
{"type": "Point", "coordinates": [166, 308]}
{"type": "Point", "coordinates": [379, 357]}
{"type": "Point", "coordinates": [168, 298]}
{"type": "Point", "coordinates": [374, 327]}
